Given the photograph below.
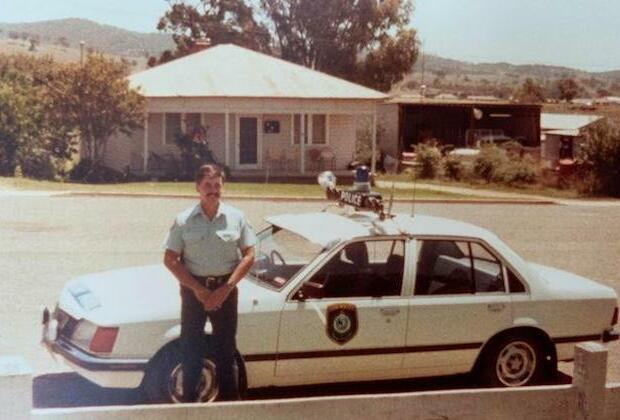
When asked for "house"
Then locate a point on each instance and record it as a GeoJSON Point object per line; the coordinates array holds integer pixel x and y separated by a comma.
{"type": "Point", "coordinates": [255, 110]}
{"type": "Point", "coordinates": [410, 120]}
{"type": "Point", "coordinates": [561, 134]}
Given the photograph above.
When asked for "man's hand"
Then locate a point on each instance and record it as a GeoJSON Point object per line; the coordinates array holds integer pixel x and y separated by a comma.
{"type": "Point", "coordinates": [203, 294]}
{"type": "Point", "coordinates": [217, 297]}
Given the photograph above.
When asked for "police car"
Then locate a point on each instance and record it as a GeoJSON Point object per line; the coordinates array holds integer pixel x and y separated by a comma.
{"type": "Point", "coordinates": [356, 294]}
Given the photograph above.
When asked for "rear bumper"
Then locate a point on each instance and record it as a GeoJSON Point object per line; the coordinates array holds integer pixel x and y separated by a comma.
{"type": "Point", "coordinates": [106, 372]}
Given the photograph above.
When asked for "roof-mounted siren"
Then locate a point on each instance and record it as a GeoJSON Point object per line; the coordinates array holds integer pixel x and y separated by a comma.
{"type": "Point", "coordinates": [360, 197]}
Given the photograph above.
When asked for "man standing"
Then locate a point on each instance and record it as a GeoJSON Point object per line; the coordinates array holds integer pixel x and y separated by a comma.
{"type": "Point", "coordinates": [209, 249]}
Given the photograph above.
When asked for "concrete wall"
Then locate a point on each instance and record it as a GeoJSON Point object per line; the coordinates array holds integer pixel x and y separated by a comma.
{"type": "Point", "coordinates": [587, 398]}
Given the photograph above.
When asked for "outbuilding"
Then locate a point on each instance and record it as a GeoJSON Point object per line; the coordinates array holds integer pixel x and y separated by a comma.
{"type": "Point", "coordinates": [455, 122]}
{"type": "Point", "coordinates": [562, 134]}
{"type": "Point", "coordinates": [251, 110]}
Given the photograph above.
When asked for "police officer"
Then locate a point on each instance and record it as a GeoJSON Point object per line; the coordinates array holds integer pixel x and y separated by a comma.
{"type": "Point", "coordinates": [209, 249]}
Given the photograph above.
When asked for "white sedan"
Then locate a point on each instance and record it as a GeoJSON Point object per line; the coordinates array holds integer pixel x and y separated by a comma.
{"type": "Point", "coordinates": [355, 296]}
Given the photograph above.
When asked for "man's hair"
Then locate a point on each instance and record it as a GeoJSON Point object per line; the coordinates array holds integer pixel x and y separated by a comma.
{"type": "Point", "coordinates": [209, 170]}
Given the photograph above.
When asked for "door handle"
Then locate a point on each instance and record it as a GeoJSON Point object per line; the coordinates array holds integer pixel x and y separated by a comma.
{"type": "Point", "coordinates": [390, 311]}
{"type": "Point", "coordinates": [496, 307]}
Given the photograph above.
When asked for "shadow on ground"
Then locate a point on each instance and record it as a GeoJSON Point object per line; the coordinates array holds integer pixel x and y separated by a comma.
{"type": "Point", "coordinates": [71, 390]}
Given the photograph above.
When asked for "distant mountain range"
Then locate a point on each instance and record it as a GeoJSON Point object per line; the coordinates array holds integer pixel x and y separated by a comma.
{"type": "Point", "coordinates": [103, 38]}
{"type": "Point", "coordinates": [438, 73]}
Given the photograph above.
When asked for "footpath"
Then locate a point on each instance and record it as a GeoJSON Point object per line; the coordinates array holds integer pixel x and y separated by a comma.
{"type": "Point", "coordinates": [479, 196]}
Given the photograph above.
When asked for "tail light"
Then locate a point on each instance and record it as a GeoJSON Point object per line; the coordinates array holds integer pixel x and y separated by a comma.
{"type": "Point", "coordinates": [614, 318]}
{"type": "Point", "coordinates": [103, 340]}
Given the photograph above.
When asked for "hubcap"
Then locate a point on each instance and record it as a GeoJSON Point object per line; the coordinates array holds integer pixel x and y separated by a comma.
{"type": "Point", "coordinates": [516, 363]}
{"type": "Point", "coordinates": [207, 386]}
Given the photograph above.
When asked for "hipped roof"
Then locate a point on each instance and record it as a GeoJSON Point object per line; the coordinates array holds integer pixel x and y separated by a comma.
{"type": "Point", "coordinates": [227, 70]}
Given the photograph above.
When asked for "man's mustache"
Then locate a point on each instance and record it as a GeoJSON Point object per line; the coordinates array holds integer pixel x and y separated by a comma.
{"type": "Point", "coordinates": [217, 195]}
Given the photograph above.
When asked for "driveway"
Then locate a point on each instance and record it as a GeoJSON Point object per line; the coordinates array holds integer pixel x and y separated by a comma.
{"type": "Point", "coordinates": [47, 240]}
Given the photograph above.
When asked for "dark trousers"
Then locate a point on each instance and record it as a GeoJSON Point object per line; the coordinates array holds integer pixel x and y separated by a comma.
{"type": "Point", "coordinates": [224, 331]}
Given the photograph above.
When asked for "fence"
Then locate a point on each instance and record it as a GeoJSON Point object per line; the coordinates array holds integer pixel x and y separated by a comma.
{"type": "Point", "coordinates": [588, 397]}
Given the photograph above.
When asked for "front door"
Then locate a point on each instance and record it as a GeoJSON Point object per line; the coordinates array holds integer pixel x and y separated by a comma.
{"type": "Point", "coordinates": [348, 321]}
{"type": "Point", "coordinates": [248, 142]}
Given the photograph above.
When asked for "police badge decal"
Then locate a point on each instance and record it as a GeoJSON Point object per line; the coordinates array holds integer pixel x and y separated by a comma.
{"type": "Point", "coordinates": [341, 322]}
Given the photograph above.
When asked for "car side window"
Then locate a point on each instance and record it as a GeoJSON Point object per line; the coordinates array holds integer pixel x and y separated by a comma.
{"type": "Point", "coordinates": [514, 283]}
{"type": "Point", "coordinates": [447, 267]}
{"type": "Point", "coordinates": [371, 268]}
{"type": "Point", "coordinates": [487, 270]}
{"type": "Point", "coordinates": [444, 268]}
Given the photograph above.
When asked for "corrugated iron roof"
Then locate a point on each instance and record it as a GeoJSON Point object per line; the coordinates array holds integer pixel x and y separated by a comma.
{"type": "Point", "coordinates": [566, 122]}
{"type": "Point", "coordinates": [440, 100]}
{"type": "Point", "coordinates": [228, 70]}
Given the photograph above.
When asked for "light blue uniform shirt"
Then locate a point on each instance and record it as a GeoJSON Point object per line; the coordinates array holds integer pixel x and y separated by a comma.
{"type": "Point", "coordinates": [210, 247]}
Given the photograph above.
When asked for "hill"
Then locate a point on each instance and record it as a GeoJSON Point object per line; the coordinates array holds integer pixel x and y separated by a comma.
{"type": "Point", "coordinates": [107, 39]}
{"type": "Point", "coordinates": [443, 75]}
{"type": "Point", "coordinates": [61, 39]}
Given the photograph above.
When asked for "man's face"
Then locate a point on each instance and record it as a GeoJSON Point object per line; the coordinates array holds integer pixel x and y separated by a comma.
{"type": "Point", "coordinates": [210, 189]}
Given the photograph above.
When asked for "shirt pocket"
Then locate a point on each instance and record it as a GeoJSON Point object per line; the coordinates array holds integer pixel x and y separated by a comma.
{"type": "Point", "coordinates": [228, 236]}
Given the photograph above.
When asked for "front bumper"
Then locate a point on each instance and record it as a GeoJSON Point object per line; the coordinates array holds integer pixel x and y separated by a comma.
{"type": "Point", "coordinates": [106, 372]}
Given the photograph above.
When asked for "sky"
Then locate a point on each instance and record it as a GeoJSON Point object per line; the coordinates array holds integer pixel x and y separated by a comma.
{"type": "Point", "coordinates": [574, 33]}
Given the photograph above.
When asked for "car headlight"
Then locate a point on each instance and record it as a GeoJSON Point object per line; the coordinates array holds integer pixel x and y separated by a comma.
{"type": "Point", "coordinates": [94, 338]}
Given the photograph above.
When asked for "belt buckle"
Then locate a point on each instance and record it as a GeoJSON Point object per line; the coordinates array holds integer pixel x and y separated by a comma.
{"type": "Point", "coordinates": [211, 281]}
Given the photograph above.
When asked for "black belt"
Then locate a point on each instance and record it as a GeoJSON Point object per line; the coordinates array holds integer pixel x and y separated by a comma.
{"type": "Point", "coordinates": [213, 281]}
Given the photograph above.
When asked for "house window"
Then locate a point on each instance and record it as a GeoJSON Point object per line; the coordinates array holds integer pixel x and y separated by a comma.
{"type": "Point", "coordinates": [173, 127]}
{"type": "Point", "coordinates": [315, 132]}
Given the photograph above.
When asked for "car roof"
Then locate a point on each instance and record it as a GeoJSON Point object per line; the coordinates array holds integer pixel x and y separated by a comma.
{"type": "Point", "coordinates": [324, 228]}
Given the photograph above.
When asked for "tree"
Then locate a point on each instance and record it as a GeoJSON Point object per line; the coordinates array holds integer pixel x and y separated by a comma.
{"type": "Point", "coordinates": [29, 138]}
{"type": "Point", "coordinates": [95, 99]}
{"type": "Point", "coordinates": [530, 92]}
{"type": "Point", "coordinates": [366, 41]}
{"type": "Point", "coordinates": [219, 21]}
{"type": "Point", "coordinates": [567, 88]}
{"type": "Point", "coordinates": [600, 158]}
{"type": "Point", "coordinates": [34, 42]}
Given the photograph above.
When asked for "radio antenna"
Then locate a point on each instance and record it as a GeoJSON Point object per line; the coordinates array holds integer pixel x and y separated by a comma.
{"type": "Point", "coordinates": [389, 212]}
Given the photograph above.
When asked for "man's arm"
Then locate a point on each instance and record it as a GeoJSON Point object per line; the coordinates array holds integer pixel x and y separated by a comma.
{"type": "Point", "coordinates": [219, 295]}
{"type": "Point", "coordinates": [172, 261]}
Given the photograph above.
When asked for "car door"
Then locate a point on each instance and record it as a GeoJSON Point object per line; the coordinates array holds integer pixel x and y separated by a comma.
{"type": "Point", "coordinates": [348, 320]}
{"type": "Point", "coordinates": [459, 302]}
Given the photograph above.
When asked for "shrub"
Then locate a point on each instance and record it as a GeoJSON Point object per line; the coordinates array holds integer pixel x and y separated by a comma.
{"type": "Point", "coordinates": [454, 168]}
{"type": "Point", "coordinates": [195, 151]}
{"type": "Point", "coordinates": [599, 157]}
{"type": "Point", "coordinates": [519, 171]}
{"type": "Point", "coordinates": [428, 157]}
{"type": "Point", "coordinates": [489, 163]}
{"type": "Point", "coordinates": [86, 171]}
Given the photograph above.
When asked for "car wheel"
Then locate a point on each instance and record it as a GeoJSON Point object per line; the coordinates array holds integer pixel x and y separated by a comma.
{"type": "Point", "coordinates": [163, 381]}
{"type": "Point", "coordinates": [512, 361]}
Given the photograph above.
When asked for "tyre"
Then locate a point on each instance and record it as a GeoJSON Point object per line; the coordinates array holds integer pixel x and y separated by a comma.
{"type": "Point", "coordinates": [163, 380]}
{"type": "Point", "coordinates": [513, 361]}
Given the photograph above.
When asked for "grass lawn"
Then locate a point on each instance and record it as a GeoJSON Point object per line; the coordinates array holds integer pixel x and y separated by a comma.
{"type": "Point", "coordinates": [535, 189]}
{"type": "Point", "coordinates": [231, 189]}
